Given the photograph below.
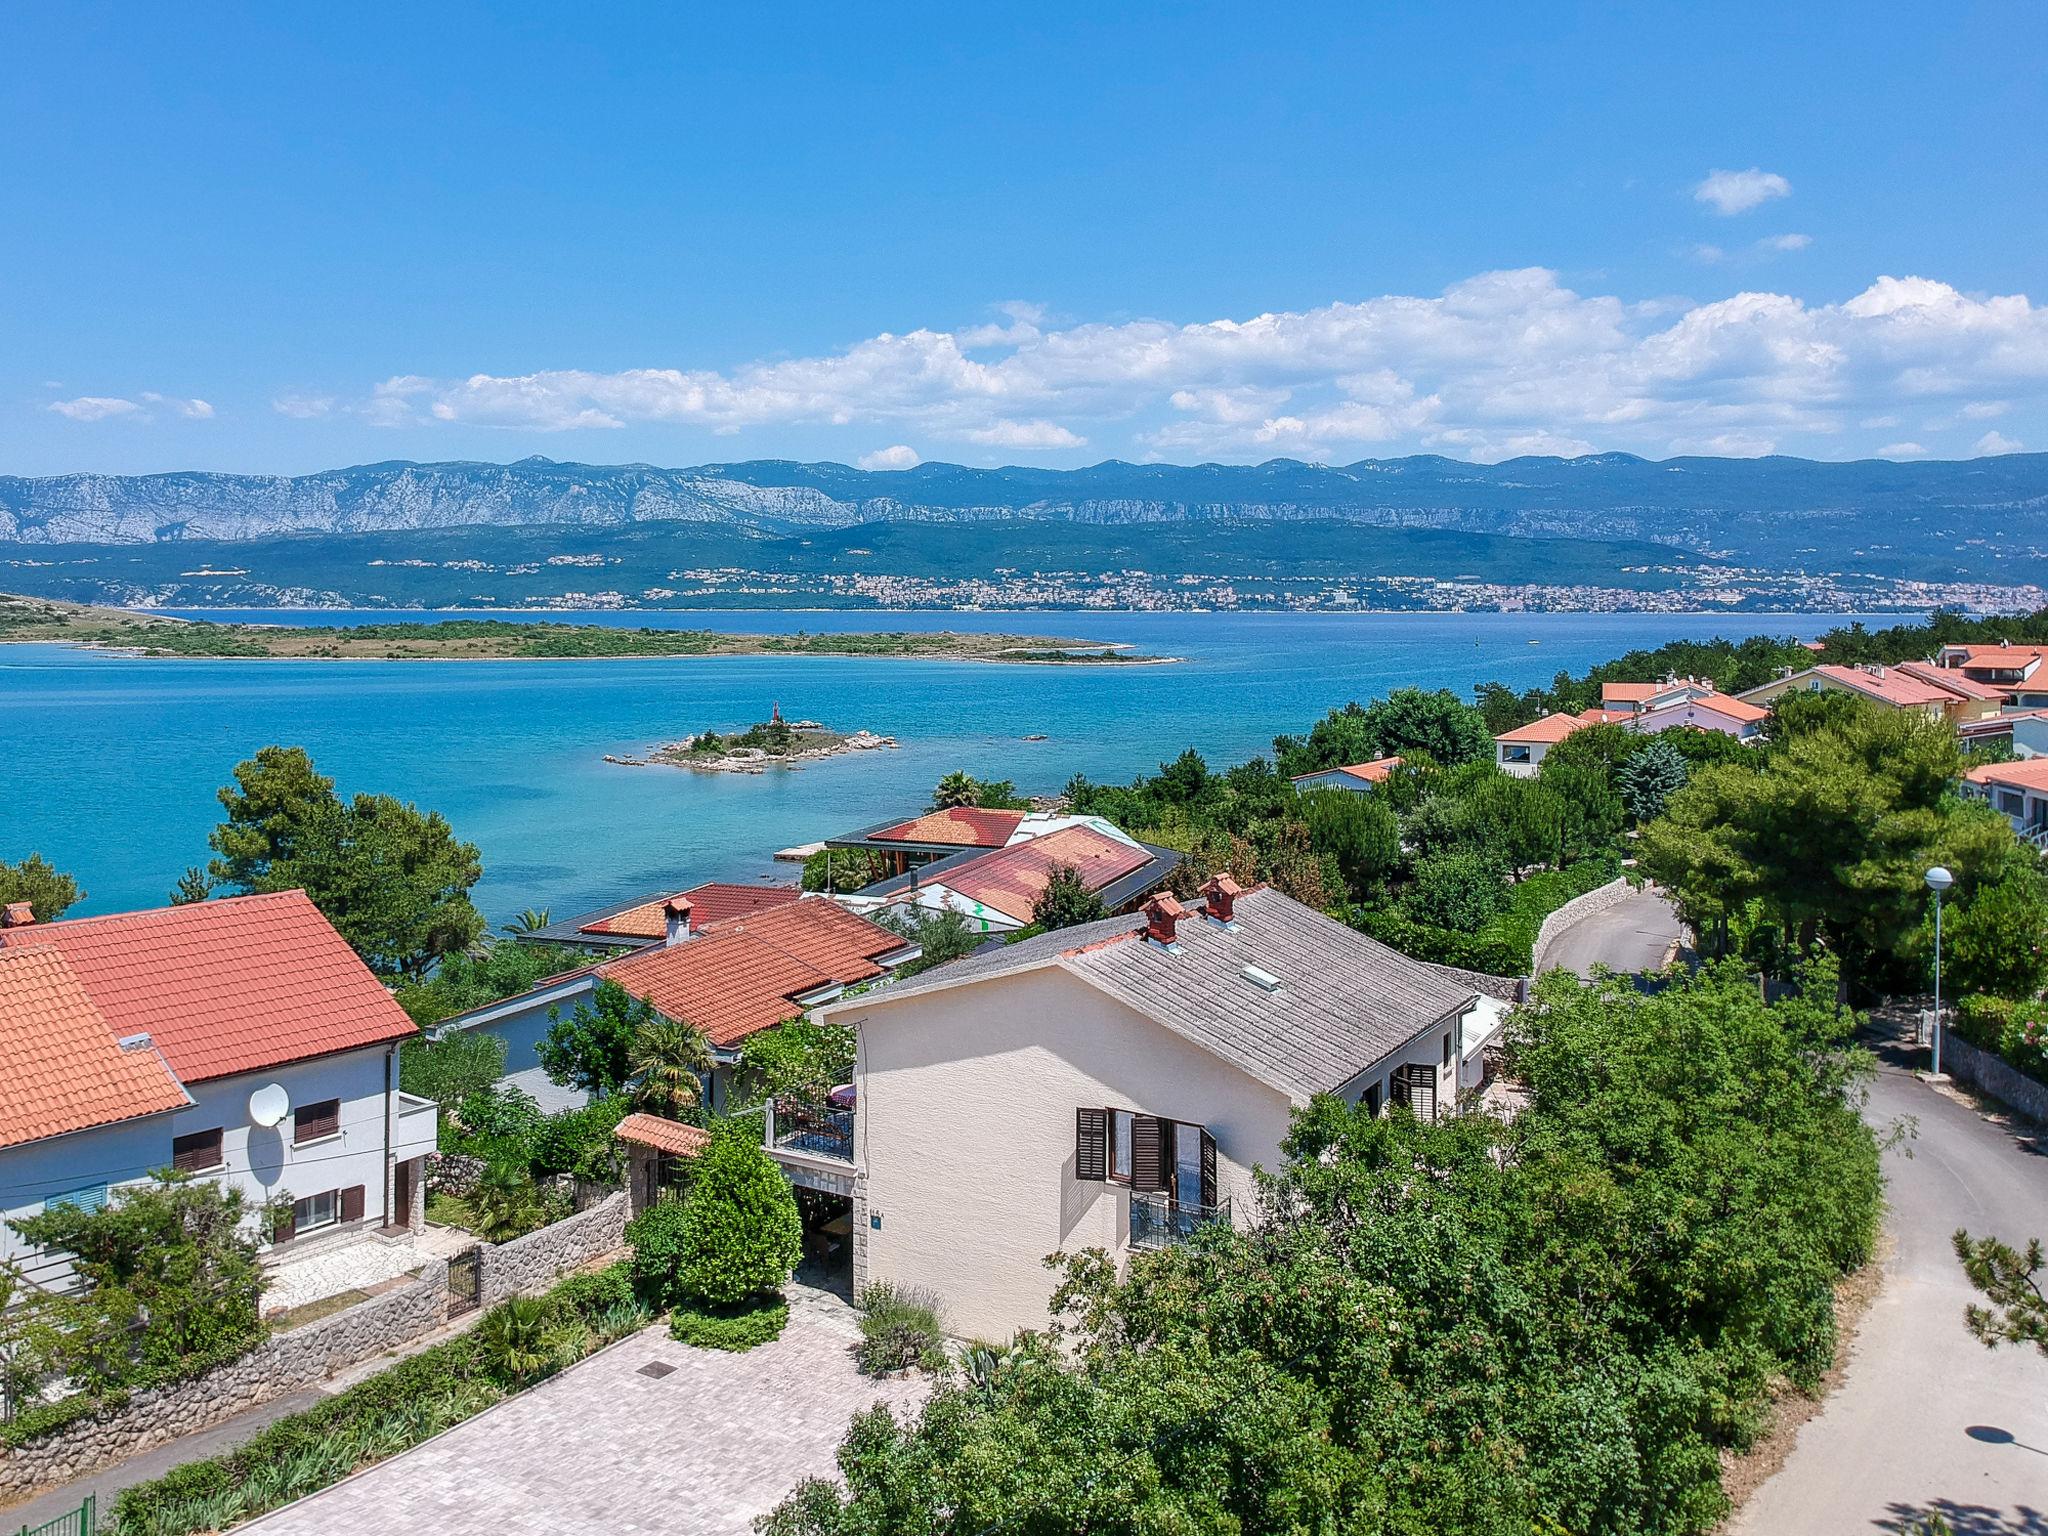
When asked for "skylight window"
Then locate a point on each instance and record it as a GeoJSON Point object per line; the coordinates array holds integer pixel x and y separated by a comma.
{"type": "Point", "coordinates": [1265, 981]}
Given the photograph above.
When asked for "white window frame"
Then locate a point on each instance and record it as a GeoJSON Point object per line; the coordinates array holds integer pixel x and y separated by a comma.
{"type": "Point", "coordinates": [304, 1212]}
{"type": "Point", "coordinates": [1120, 1123]}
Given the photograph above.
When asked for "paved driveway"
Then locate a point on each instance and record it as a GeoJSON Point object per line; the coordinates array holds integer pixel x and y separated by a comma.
{"type": "Point", "coordinates": [1633, 935]}
{"type": "Point", "coordinates": [1927, 1420]}
{"type": "Point", "coordinates": [604, 1447]}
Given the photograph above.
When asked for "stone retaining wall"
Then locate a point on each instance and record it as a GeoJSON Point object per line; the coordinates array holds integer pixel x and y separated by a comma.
{"type": "Point", "coordinates": [1987, 1074]}
{"type": "Point", "coordinates": [283, 1363]}
{"type": "Point", "coordinates": [1593, 902]}
{"type": "Point", "coordinates": [1509, 989]}
{"type": "Point", "coordinates": [286, 1362]}
{"type": "Point", "coordinates": [532, 1262]}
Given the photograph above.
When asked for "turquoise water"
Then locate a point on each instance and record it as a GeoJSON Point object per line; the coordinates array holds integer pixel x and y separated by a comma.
{"type": "Point", "coordinates": [111, 763]}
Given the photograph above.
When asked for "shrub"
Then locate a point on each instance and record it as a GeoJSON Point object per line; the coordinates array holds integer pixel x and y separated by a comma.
{"type": "Point", "coordinates": [740, 1231]}
{"type": "Point", "coordinates": [506, 1204]}
{"type": "Point", "coordinates": [899, 1328]}
{"type": "Point", "coordinates": [1459, 889]}
{"type": "Point", "coordinates": [737, 1329]}
{"type": "Point", "coordinates": [581, 1141]}
{"type": "Point", "coordinates": [449, 1071]}
{"type": "Point", "coordinates": [1982, 1019]}
{"type": "Point", "coordinates": [593, 1293]}
{"type": "Point", "coordinates": [514, 1339]}
{"type": "Point", "coordinates": [658, 1243]}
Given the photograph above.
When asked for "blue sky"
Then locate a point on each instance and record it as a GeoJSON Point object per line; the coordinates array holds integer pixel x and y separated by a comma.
{"type": "Point", "coordinates": [279, 238]}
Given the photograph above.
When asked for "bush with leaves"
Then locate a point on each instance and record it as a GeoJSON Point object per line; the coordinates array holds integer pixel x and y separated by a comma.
{"type": "Point", "coordinates": [899, 1330]}
{"type": "Point", "coordinates": [592, 1048]}
{"type": "Point", "coordinates": [488, 974]}
{"type": "Point", "coordinates": [800, 1060]}
{"type": "Point", "coordinates": [36, 881]}
{"type": "Point", "coordinates": [1461, 889]}
{"type": "Point", "coordinates": [658, 1241]}
{"type": "Point", "coordinates": [741, 1236]}
{"type": "Point", "coordinates": [506, 1203]}
{"type": "Point", "coordinates": [449, 1070]}
{"type": "Point", "coordinates": [1066, 900]}
{"type": "Point", "coordinates": [737, 1329]}
{"type": "Point", "coordinates": [1997, 941]}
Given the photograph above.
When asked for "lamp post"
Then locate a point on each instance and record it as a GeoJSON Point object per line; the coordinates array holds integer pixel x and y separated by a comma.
{"type": "Point", "coordinates": [1938, 880]}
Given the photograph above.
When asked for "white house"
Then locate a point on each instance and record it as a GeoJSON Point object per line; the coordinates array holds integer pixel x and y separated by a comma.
{"type": "Point", "coordinates": [1354, 778]}
{"type": "Point", "coordinates": [239, 1040]}
{"type": "Point", "coordinates": [2019, 790]}
{"type": "Point", "coordinates": [1520, 752]}
{"type": "Point", "coordinates": [1113, 1085]}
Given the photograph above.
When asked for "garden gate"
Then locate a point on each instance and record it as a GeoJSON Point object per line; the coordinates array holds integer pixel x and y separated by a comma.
{"type": "Point", "coordinates": [465, 1281]}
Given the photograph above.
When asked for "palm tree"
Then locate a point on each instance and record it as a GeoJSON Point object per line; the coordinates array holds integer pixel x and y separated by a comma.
{"type": "Point", "coordinates": [529, 921]}
{"type": "Point", "coordinates": [669, 1062]}
{"type": "Point", "coordinates": [505, 1205]}
{"type": "Point", "coordinates": [954, 790]}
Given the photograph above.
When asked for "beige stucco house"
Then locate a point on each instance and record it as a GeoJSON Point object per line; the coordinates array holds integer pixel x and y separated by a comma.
{"type": "Point", "coordinates": [1115, 1084]}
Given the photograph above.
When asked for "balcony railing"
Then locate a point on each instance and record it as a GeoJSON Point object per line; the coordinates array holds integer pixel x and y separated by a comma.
{"type": "Point", "coordinates": [1157, 1222]}
{"type": "Point", "coordinates": [806, 1128]}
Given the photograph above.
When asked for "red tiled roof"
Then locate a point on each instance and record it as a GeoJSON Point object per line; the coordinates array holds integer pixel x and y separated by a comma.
{"type": "Point", "coordinates": [1896, 686]}
{"type": "Point", "coordinates": [1738, 710]}
{"type": "Point", "coordinates": [227, 986]}
{"type": "Point", "coordinates": [1629, 693]}
{"type": "Point", "coordinates": [712, 902]}
{"type": "Point", "coordinates": [959, 826]}
{"type": "Point", "coordinates": [2028, 773]}
{"type": "Point", "coordinates": [663, 1135]}
{"type": "Point", "coordinates": [1551, 728]}
{"type": "Point", "coordinates": [1011, 878]}
{"type": "Point", "coordinates": [1374, 772]}
{"type": "Point", "coordinates": [61, 1061]}
{"type": "Point", "coordinates": [1995, 658]}
{"type": "Point", "coordinates": [1950, 680]}
{"type": "Point", "coordinates": [745, 974]}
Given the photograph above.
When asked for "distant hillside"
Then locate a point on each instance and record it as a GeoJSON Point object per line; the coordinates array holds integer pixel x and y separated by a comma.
{"type": "Point", "coordinates": [1776, 513]}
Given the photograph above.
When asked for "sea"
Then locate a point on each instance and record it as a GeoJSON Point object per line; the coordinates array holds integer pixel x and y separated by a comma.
{"type": "Point", "coordinates": [112, 763]}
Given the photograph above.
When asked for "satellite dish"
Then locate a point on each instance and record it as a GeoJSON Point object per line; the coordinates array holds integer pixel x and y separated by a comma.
{"type": "Point", "coordinates": [269, 1104]}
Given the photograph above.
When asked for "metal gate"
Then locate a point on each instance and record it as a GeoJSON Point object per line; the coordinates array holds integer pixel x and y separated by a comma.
{"type": "Point", "coordinates": [465, 1281]}
{"type": "Point", "coordinates": [76, 1522]}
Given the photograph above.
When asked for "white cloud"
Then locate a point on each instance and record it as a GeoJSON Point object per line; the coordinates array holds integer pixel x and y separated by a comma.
{"type": "Point", "coordinates": [1491, 364]}
{"type": "Point", "coordinates": [143, 408]}
{"type": "Point", "coordinates": [95, 407]}
{"type": "Point", "coordinates": [1785, 243]}
{"type": "Point", "coordinates": [303, 407]}
{"type": "Point", "coordinates": [900, 456]}
{"type": "Point", "coordinates": [1709, 255]}
{"type": "Point", "coordinates": [1985, 410]}
{"type": "Point", "coordinates": [1733, 192]}
{"type": "Point", "coordinates": [1995, 442]}
{"type": "Point", "coordinates": [1038, 433]}
{"type": "Point", "coordinates": [1901, 451]}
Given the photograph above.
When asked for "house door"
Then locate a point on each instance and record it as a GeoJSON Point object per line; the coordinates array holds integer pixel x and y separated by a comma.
{"type": "Point", "coordinates": [403, 1179]}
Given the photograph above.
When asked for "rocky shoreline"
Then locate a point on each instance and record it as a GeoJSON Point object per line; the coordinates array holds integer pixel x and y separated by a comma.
{"type": "Point", "coordinates": [811, 743]}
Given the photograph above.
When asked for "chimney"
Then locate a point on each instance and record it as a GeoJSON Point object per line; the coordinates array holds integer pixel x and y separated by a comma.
{"type": "Point", "coordinates": [676, 911]}
{"type": "Point", "coordinates": [1222, 892]}
{"type": "Point", "coordinates": [1162, 912]}
{"type": "Point", "coordinates": [19, 914]}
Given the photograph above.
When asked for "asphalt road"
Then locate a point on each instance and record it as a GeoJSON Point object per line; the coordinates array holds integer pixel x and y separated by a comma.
{"type": "Point", "coordinates": [1927, 1419]}
{"type": "Point", "coordinates": [1632, 936]}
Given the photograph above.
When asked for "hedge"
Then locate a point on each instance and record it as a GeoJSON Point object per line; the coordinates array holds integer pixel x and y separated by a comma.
{"type": "Point", "coordinates": [737, 1330]}
{"type": "Point", "coordinates": [2017, 1033]}
{"type": "Point", "coordinates": [1505, 944]}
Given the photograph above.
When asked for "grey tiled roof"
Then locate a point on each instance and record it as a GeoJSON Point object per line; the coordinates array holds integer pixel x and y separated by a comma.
{"type": "Point", "coordinates": [1344, 1001]}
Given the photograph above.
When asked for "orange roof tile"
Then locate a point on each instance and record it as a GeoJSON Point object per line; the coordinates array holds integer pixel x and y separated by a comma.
{"type": "Point", "coordinates": [960, 826]}
{"type": "Point", "coordinates": [227, 986]}
{"type": "Point", "coordinates": [2028, 773]}
{"type": "Point", "coordinates": [1729, 708]}
{"type": "Point", "coordinates": [1010, 879]}
{"type": "Point", "coordinates": [1551, 728]}
{"type": "Point", "coordinates": [712, 902]}
{"type": "Point", "coordinates": [745, 974]}
{"type": "Point", "coordinates": [1895, 686]}
{"type": "Point", "coordinates": [663, 1135]}
{"type": "Point", "coordinates": [1374, 772]}
{"type": "Point", "coordinates": [1629, 693]}
{"type": "Point", "coordinates": [62, 1062]}
{"type": "Point", "coordinates": [1950, 680]}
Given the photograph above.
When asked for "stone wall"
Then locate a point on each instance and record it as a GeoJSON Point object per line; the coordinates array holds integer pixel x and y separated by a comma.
{"type": "Point", "coordinates": [286, 1362]}
{"type": "Point", "coordinates": [1987, 1074]}
{"type": "Point", "coordinates": [1595, 901]}
{"type": "Point", "coordinates": [1509, 989]}
{"type": "Point", "coordinates": [282, 1363]}
{"type": "Point", "coordinates": [532, 1262]}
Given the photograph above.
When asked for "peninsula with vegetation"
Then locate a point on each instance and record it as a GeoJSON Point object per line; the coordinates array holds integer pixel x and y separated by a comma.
{"type": "Point", "coordinates": [25, 619]}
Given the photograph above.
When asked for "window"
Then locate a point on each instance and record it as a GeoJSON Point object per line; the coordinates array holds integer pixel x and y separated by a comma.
{"type": "Point", "coordinates": [316, 1211]}
{"type": "Point", "coordinates": [89, 1197]}
{"type": "Point", "coordinates": [1447, 1050]}
{"type": "Point", "coordinates": [197, 1151]}
{"type": "Point", "coordinates": [1372, 1098]}
{"type": "Point", "coordinates": [311, 1122]}
{"type": "Point", "coordinates": [1120, 1144]}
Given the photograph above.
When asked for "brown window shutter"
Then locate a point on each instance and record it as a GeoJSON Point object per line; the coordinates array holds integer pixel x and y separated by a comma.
{"type": "Point", "coordinates": [1208, 1171]}
{"type": "Point", "coordinates": [286, 1227]}
{"type": "Point", "coordinates": [1091, 1144]}
{"type": "Point", "coordinates": [352, 1203]}
{"type": "Point", "coordinates": [313, 1121]}
{"type": "Point", "coordinates": [1151, 1153]}
{"type": "Point", "coordinates": [197, 1151]}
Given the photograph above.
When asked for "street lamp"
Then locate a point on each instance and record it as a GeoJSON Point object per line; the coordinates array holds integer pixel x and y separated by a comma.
{"type": "Point", "coordinates": [1938, 880]}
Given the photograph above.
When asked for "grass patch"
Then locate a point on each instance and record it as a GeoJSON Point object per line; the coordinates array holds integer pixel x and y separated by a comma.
{"type": "Point", "coordinates": [313, 1311]}
{"type": "Point", "coordinates": [737, 1329]}
{"type": "Point", "coordinates": [450, 1211]}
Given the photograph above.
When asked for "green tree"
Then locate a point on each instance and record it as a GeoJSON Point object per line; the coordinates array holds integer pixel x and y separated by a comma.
{"type": "Point", "coordinates": [1360, 833]}
{"type": "Point", "coordinates": [393, 880]}
{"type": "Point", "coordinates": [34, 880]}
{"type": "Point", "coordinates": [669, 1063]}
{"type": "Point", "coordinates": [2011, 1281]}
{"type": "Point", "coordinates": [852, 869]}
{"type": "Point", "coordinates": [1460, 889]}
{"type": "Point", "coordinates": [1648, 779]}
{"type": "Point", "coordinates": [659, 1243]}
{"type": "Point", "coordinates": [1802, 712]}
{"type": "Point", "coordinates": [506, 1204]}
{"type": "Point", "coordinates": [1066, 900]}
{"type": "Point", "coordinates": [940, 936]}
{"type": "Point", "coordinates": [741, 1234]}
{"type": "Point", "coordinates": [1406, 720]}
{"type": "Point", "coordinates": [800, 1060]}
{"type": "Point", "coordinates": [450, 1069]}
{"type": "Point", "coordinates": [195, 885]}
{"type": "Point", "coordinates": [592, 1048]}
{"type": "Point", "coordinates": [532, 920]}
{"type": "Point", "coordinates": [1997, 941]}
{"type": "Point", "coordinates": [958, 789]}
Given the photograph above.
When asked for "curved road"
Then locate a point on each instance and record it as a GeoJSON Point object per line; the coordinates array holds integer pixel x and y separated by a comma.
{"type": "Point", "coordinates": [1927, 1419]}
{"type": "Point", "coordinates": [1633, 935]}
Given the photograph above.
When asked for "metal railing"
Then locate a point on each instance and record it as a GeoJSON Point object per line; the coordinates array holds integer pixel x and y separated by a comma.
{"type": "Point", "coordinates": [1158, 1222]}
{"type": "Point", "coordinates": [806, 1128]}
{"type": "Point", "coordinates": [82, 1521]}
